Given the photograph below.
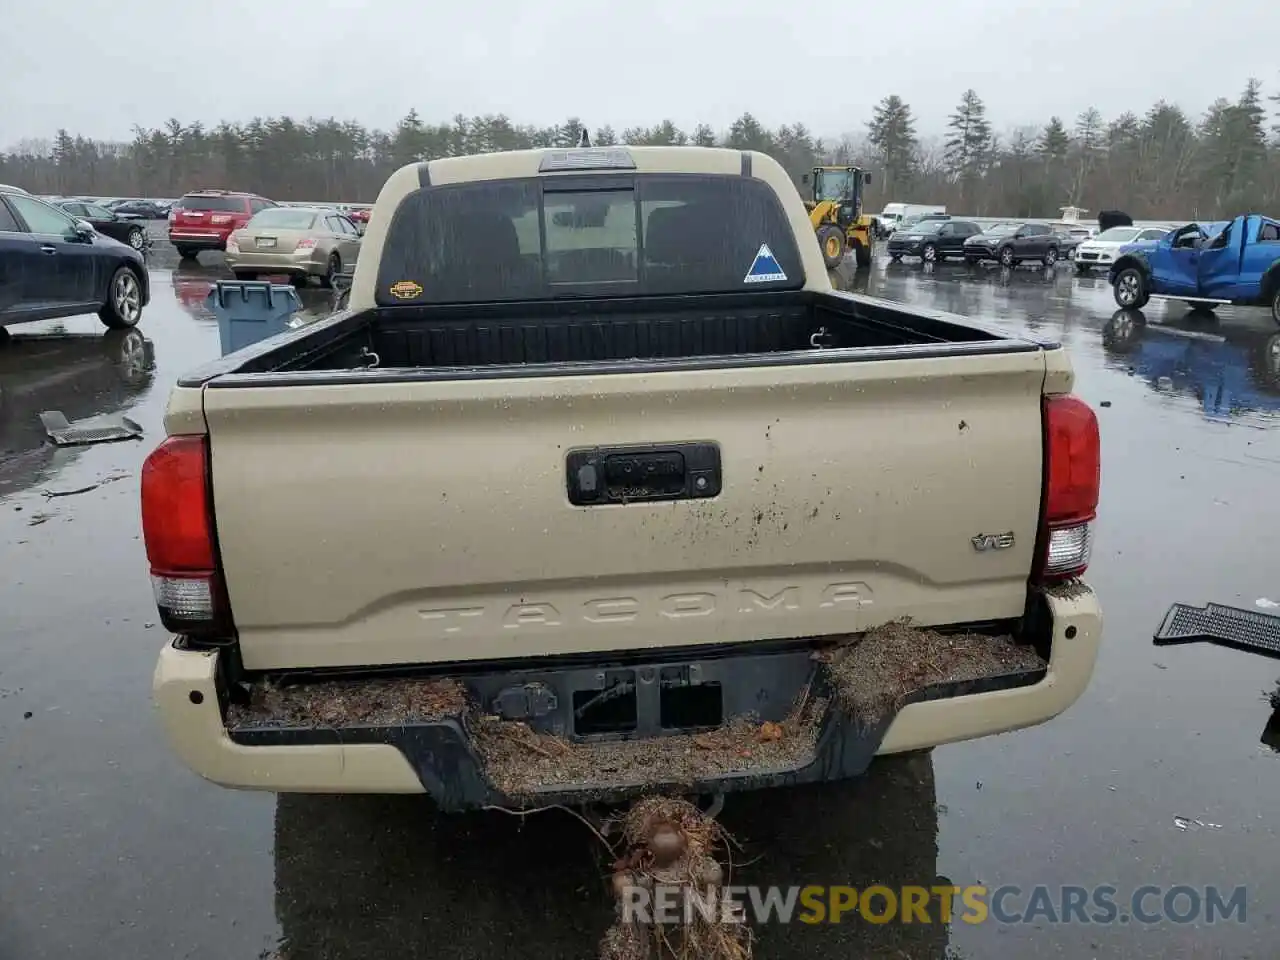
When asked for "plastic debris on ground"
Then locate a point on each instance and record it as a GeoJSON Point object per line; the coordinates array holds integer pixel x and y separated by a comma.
{"type": "Point", "coordinates": [105, 428]}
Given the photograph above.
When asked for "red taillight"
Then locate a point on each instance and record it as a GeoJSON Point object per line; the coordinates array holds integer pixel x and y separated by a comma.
{"type": "Point", "coordinates": [1072, 451]}
{"type": "Point", "coordinates": [177, 526]}
{"type": "Point", "coordinates": [306, 243]}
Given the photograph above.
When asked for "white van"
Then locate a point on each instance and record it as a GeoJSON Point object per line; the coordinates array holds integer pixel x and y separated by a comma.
{"type": "Point", "coordinates": [891, 217]}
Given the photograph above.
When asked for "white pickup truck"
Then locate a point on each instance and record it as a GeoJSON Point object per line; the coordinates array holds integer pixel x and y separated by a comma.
{"type": "Point", "coordinates": [598, 487]}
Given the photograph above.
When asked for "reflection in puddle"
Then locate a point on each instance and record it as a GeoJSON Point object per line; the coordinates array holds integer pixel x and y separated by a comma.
{"type": "Point", "coordinates": [361, 877]}
{"type": "Point", "coordinates": [79, 375]}
{"type": "Point", "coordinates": [1231, 368]}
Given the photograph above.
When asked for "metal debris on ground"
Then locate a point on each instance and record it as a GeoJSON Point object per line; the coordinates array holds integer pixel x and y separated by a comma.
{"type": "Point", "coordinates": [1187, 823]}
{"type": "Point", "coordinates": [104, 428]}
{"type": "Point", "coordinates": [670, 857]}
{"type": "Point", "coordinates": [112, 478]}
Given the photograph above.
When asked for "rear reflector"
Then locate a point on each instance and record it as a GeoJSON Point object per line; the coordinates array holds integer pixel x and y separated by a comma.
{"type": "Point", "coordinates": [177, 525]}
{"type": "Point", "coordinates": [1072, 481]}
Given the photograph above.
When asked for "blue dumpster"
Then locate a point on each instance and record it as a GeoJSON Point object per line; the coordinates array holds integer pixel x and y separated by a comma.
{"type": "Point", "coordinates": [251, 310]}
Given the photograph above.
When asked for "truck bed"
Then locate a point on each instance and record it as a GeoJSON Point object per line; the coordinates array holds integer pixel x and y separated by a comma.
{"type": "Point", "coordinates": [487, 340]}
{"type": "Point", "coordinates": [431, 508]}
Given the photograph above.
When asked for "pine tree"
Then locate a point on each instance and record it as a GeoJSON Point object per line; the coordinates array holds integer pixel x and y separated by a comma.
{"type": "Point", "coordinates": [704, 136]}
{"type": "Point", "coordinates": [969, 143]}
{"type": "Point", "coordinates": [1054, 141]}
{"type": "Point", "coordinates": [892, 131]}
{"type": "Point", "coordinates": [746, 133]}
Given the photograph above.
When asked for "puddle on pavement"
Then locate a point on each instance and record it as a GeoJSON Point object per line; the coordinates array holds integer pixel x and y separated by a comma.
{"type": "Point", "coordinates": [95, 805]}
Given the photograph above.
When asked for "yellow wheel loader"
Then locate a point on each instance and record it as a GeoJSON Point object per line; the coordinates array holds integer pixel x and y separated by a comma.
{"type": "Point", "coordinates": [836, 214]}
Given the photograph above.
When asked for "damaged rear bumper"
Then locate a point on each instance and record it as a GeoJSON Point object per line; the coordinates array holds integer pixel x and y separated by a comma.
{"type": "Point", "coordinates": [444, 757]}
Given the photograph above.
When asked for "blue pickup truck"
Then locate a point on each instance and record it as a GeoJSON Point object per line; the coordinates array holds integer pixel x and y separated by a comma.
{"type": "Point", "coordinates": [1204, 264]}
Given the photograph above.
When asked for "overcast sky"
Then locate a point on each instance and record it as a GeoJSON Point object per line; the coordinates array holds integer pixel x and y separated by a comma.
{"type": "Point", "coordinates": [98, 68]}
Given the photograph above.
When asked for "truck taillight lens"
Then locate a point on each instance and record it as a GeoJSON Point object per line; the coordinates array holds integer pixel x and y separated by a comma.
{"type": "Point", "coordinates": [1072, 452]}
{"type": "Point", "coordinates": [177, 526]}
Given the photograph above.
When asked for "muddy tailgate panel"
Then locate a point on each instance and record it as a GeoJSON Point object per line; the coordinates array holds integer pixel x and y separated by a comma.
{"type": "Point", "coordinates": [418, 522]}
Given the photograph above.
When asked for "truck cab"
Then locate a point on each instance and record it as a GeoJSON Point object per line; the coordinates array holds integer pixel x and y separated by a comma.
{"type": "Point", "coordinates": [1235, 262]}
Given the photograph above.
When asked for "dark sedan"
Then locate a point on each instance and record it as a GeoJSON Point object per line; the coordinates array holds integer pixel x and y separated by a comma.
{"type": "Point", "coordinates": [109, 223]}
{"type": "Point", "coordinates": [141, 210]}
{"type": "Point", "coordinates": [53, 266]}
{"type": "Point", "coordinates": [932, 240]}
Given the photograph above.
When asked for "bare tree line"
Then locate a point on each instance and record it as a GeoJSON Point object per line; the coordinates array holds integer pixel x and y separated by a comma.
{"type": "Point", "coordinates": [1157, 164]}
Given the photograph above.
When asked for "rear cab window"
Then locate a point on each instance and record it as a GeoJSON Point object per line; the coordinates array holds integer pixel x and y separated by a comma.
{"type": "Point", "coordinates": [216, 204]}
{"type": "Point", "coordinates": [283, 218]}
{"type": "Point", "coordinates": [598, 235]}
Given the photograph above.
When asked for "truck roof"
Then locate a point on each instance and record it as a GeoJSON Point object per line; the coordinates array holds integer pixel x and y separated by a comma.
{"type": "Point", "coordinates": [620, 162]}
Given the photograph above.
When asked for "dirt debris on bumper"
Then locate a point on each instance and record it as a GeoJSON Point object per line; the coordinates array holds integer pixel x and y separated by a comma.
{"type": "Point", "coordinates": [467, 758]}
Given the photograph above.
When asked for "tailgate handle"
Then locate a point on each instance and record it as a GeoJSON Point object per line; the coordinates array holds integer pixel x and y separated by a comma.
{"type": "Point", "coordinates": [640, 474]}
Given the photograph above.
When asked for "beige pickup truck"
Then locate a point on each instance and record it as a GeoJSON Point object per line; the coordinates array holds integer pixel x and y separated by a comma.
{"type": "Point", "coordinates": [597, 487]}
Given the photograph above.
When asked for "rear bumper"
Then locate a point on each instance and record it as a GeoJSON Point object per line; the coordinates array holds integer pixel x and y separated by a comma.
{"type": "Point", "coordinates": [199, 239]}
{"type": "Point", "coordinates": [440, 758]}
{"type": "Point", "coordinates": [292, 263]}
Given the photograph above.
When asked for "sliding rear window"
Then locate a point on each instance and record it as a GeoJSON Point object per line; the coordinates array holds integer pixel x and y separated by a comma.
{"type": "Point", "coordinates": [588, 236]}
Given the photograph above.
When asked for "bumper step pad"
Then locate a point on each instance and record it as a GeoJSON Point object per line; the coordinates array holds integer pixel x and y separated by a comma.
{"type": "Point", "coordinates": [1226, 626]}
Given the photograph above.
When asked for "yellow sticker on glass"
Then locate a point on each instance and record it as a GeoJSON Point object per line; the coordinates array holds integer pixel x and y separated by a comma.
{"type": "Point", "coordinates": [406, 290]}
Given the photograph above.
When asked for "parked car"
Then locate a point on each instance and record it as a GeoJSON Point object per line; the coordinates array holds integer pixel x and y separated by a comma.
{"type": "Point", "coordinates": [302, 242]}
{"type": "Point", "coordinates": [1071, 236]}
{"type": "Point", "coordinates": [141, 209]}
{"type": "Point", "coordinates": [6, 188]}
{"type": "Point", "coordinates": [1011, 243]}
{"type": "Point", "coordinates": [1236, 263]}
{"type": "Point", "coordinates": [109, 223]}
{"type": "Point", "coordinates": [1102, 250]}
{"type": "Point", "coordinates": [374, 495]}
{"type": "Point", "coordinates": [52, 265]}
{"type": "Point", "coordinates": [204, 219]}
{"type": "Point", "coordinates": [932, 240]}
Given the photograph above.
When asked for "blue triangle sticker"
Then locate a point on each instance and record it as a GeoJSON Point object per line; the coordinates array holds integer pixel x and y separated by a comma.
{"type": "Point", "coordinates": [765, 267]}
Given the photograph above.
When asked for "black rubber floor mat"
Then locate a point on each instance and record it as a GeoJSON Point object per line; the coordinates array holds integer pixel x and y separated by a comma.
{"type": "Point", "coordinates": [1227, 626]}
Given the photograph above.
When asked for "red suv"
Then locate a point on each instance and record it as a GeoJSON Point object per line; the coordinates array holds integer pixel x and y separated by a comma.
{"type": "Point", "coordinates": [203, 220]}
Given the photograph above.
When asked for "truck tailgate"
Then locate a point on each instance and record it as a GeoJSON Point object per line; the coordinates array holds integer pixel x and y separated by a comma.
{"type": "Point", "coordinates": [414, 522]}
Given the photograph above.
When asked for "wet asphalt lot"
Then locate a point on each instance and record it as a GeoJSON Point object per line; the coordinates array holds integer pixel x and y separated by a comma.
{"type": "Point", "coordinates": [109, 848]}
